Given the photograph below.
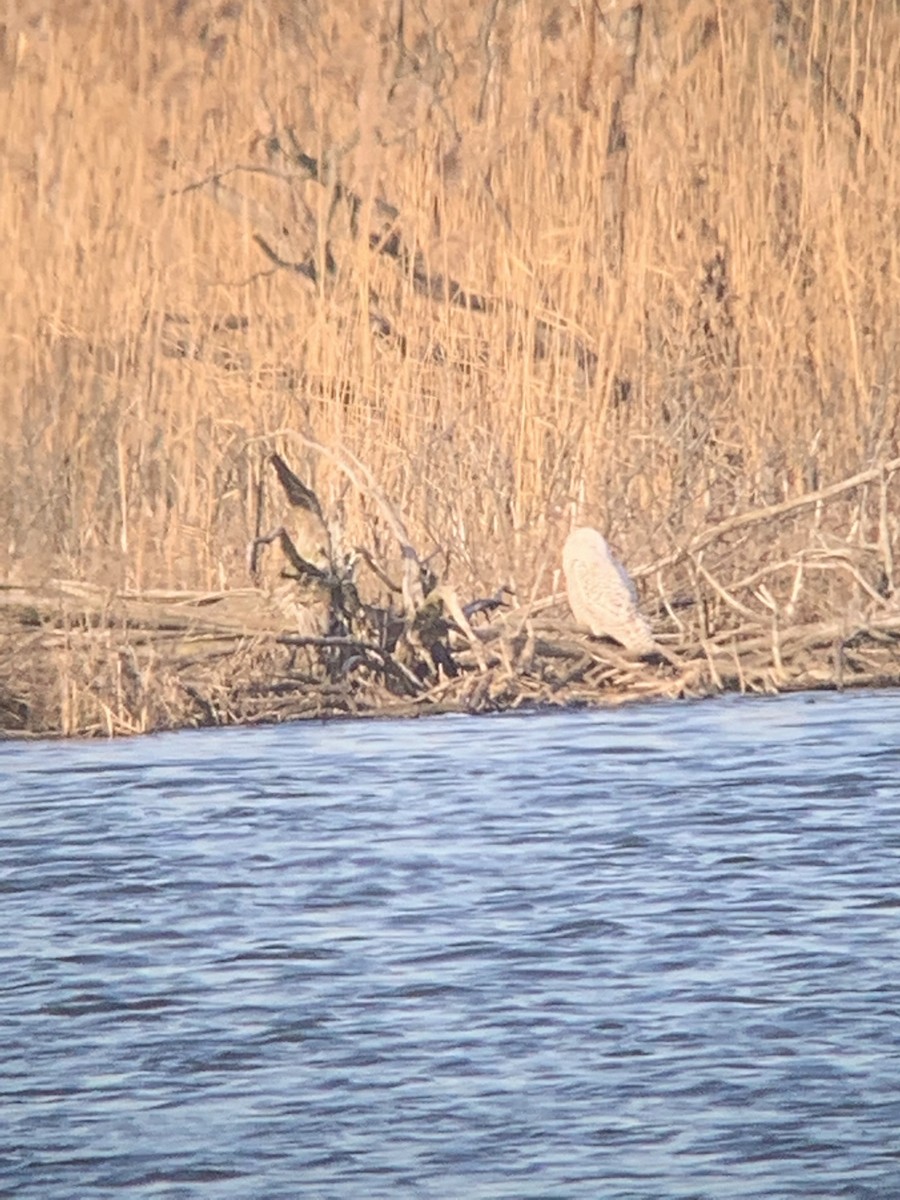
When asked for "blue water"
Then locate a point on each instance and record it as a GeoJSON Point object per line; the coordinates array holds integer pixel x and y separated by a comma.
{"type": "Point", "coordinates": [647, 953]}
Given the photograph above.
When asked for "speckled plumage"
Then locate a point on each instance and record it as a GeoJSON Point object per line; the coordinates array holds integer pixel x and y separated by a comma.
{"type": "Point", "coordinates": [601, 593]}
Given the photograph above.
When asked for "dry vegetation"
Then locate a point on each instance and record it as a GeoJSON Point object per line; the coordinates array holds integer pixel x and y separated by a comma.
{"type": "Point", "coordinates": [507, 257]}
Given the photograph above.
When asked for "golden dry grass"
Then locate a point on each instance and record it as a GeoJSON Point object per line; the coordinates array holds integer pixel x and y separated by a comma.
{"type": "Point", "coordinates": [691, 270]}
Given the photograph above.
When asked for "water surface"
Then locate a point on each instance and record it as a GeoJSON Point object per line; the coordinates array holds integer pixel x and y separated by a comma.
{"type": "Point", "coordinates": [647, 953]}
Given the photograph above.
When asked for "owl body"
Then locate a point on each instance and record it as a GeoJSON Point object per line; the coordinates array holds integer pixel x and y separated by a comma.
{"type": "Point", "coordinates": [601, 593]}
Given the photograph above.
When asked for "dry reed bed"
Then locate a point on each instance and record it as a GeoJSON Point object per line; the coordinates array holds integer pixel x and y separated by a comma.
{"type": "Point", "coordinates": [642, 257]}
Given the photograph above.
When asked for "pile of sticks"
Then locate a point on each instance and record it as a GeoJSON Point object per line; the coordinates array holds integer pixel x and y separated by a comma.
{"type": "Point", "coordinates": [303, 642]}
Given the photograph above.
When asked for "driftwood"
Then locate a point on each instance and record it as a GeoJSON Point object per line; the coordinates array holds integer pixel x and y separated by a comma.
{"type": "Point", "coordinates": [77, 658]}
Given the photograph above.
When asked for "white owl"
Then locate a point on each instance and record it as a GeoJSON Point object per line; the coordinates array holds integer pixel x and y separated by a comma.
{"type": "Point", "coordinates": [601, 593]}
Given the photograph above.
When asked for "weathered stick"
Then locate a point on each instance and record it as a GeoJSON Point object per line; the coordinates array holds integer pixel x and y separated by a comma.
{"type": "Point", "coordinates": [755, 515]}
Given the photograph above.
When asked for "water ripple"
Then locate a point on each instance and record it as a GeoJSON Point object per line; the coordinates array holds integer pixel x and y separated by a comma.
{"type": "Point", "coordinates": [639, 954]}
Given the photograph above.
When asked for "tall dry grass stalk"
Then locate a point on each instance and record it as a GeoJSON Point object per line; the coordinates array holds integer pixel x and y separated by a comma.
{"type": "Point", "coordinates": [683, 220]}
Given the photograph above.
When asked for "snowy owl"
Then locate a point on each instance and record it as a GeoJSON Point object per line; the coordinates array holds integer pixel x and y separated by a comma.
{"type": "Point", "coordinates": [601, 593]}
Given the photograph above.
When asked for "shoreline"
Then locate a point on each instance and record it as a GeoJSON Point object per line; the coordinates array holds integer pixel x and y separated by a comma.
{"type": "Point", "coordinates": [80, 661]}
